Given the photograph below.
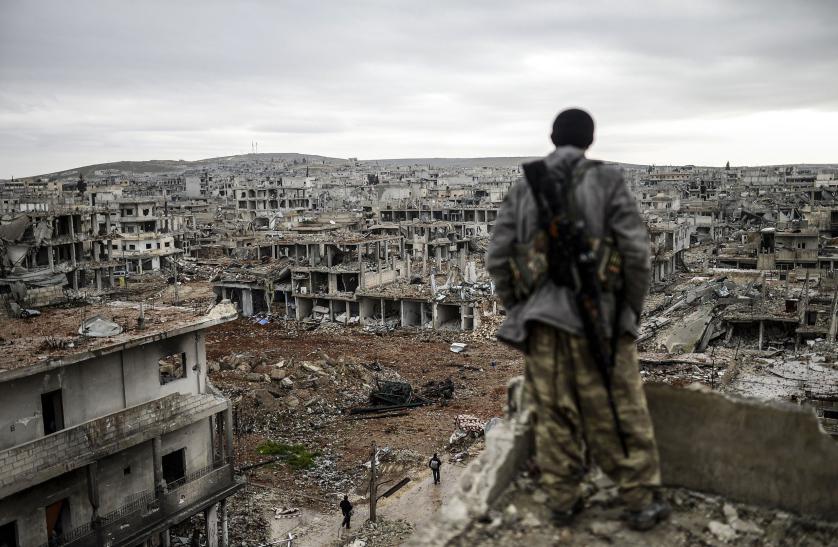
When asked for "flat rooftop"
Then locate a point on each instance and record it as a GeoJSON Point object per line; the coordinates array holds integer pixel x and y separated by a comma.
{"type": "Point", "coordinates": [52, 339]}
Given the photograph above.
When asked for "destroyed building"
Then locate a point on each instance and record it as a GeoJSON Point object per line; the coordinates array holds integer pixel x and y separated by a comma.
{"type": "Point", "coordinates": [150, 449]}
{"type": "Point", "coordinates": [44, 251]}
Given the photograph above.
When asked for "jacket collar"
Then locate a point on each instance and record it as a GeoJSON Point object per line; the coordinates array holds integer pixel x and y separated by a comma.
{"type": "Point", "coordinates": [563, 156]}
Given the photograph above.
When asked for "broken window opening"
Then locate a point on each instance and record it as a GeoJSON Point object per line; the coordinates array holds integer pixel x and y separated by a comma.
{"type": "Point", "coordinates": [172, 367]}
{"type": "Point", "coordinates": [174, 466]}
{"type": "Point", "coordinates": [8, 534]}
{"type": "Point", "coordinates": [52, 411]}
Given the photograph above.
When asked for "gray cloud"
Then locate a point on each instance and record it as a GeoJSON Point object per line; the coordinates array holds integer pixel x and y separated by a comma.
{"type": "Point", "coordinates": [93, 81]}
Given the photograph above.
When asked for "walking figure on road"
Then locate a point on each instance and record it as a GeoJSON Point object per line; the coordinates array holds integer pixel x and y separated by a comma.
{"type": "Point", "coordinates": [435, 463]}
{"type": "Point", "coordinates": [570, 259]}
{"type": "Point", "coordinates": [346, 509]}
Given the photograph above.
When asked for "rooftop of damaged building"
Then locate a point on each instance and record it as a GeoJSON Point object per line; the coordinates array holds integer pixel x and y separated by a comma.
{"type": "Point", "coordinates": [227, 269]}
{"type": "Point", "coordinates": [335, 237]}
{"type": "Point", "coordinates": [61, 336]}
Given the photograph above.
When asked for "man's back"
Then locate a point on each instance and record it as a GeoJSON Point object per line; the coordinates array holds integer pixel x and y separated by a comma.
{"type": "Point", "coordinates": [609, 210]}
{"type": "Point", "coordinates": [575, 389]}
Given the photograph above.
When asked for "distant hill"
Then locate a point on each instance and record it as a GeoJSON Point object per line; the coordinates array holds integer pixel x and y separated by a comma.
{"type": "Point", "coordinates": [178, 166]}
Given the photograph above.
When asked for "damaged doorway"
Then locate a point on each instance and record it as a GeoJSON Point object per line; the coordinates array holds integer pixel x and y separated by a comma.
{"type": "Point", "coordinates": [52, 410]}
{"type": "Point", "coordinates": [58, 520]}
{"type": "Point", "coordinates": [174, 466]}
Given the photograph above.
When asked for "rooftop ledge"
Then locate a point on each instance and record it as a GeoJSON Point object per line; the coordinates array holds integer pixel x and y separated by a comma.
{"type": "Point", "coordinates": [51, 340]}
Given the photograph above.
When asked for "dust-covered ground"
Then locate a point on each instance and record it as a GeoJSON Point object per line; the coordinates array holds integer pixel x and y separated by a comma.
{"type": "Point", "coordinates": [296, 387]}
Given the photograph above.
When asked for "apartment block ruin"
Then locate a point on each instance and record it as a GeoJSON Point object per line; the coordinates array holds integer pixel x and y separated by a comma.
{"type": "Point", "coordinates": [150, 449]}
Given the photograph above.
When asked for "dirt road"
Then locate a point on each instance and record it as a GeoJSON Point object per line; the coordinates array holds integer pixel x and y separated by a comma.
{"type": "Point", "coordinates": [417, 504]}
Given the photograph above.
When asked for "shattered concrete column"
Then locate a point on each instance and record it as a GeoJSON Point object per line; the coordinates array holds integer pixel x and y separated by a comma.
{"type": "Point", "coordinates": [93, 498]}
{"type": "Point", "coordinates": [98, 279]}
{"type": "Point", "coordinates": [220, 436]}
{"type": "Point", "coordinates": [159, 482]}
{"type": "Point", "coordinates": [228, 429]}
{"type": "Point", "coordinates": [378, 256]}
{"type": "Point", "coordinates": [383, 314]}
{"type": "Point", "coordinates": [51, 259]}
{"type": "Point", "coordinates": [211, 525]}
{"type": "Point", "coordinates": [761, 334]}
{"type": "Point", "coordinates": [386, 252]}
{"type": "Point", "coordinates": [157, 455]}
{"type": "Point", "coordinates": [73, 243]}
{"type": "Point", "coordinates": [225, 534]}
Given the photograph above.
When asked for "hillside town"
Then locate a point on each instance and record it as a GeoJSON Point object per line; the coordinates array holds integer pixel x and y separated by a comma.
{"type": "Point", "coordinates": [265, 332]}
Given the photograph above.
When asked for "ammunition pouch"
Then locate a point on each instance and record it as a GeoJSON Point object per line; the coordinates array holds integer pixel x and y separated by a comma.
{"type": "Point", "coordinates": [530, 266]}
{"type": "Point", "coordinates": [609, 264]}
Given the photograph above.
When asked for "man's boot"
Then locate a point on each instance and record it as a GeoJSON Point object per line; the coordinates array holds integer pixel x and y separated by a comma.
{"type": "Point", "coordinates": [648, 517]}
{"type": "Point", "coordinates": [565, 518]}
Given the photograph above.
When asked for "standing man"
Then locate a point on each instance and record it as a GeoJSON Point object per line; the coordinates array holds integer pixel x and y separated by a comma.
{"type": "Point", "coordinates": [346, 509]}
{"type": "Point", "coordinates": [570, 259]}
{"type": "Point", "coordinates": [435, 463]}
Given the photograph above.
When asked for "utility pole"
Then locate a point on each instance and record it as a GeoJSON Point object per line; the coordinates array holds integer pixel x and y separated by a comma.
{"type": "Point", "coordinates": [373, 485]}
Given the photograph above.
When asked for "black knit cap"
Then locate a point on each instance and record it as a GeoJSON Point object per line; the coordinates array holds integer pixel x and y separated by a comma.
{"type": "Point", "coordinates": [575, 127]}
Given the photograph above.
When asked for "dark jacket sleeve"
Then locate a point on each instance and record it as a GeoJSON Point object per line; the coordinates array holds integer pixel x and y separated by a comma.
{"type": "Point", "coordinates": [502, 245]}
{"type": "Point", "coordinates": [632, 240]}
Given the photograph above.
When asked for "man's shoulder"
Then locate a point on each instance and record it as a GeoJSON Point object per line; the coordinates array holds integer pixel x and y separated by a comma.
{"type": "Point", "coordinates": [608, 170]}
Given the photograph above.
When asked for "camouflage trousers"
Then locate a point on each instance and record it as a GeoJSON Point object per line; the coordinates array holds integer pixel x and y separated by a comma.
{"type": "Point", "coordinates": [574, 423]}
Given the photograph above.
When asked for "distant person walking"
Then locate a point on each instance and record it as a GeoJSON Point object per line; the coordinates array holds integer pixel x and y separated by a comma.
{"type": "Point", "coordinates": [435, 463]}
{"type": "Point", "coordinates": [346, 509]}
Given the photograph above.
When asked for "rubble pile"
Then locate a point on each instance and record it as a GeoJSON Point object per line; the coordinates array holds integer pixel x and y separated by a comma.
{"type": "Point", "coordinates": [247, 524]}
{"type": "Point", "coordinates": [382, 533]}
{"type": "Point", "coordinates": [698, 519]}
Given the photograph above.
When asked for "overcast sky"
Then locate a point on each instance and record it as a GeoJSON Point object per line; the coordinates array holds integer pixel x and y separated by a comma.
{"type": "Point", "coordinates": [82, 82]}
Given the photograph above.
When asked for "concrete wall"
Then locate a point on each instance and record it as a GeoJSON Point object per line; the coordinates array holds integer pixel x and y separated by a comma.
{"type": "Point", "coordinates": [375, 279]}
{"type": "Point", "coordinates": [197, 439]}
{"type": "Point", "coordinates": [29, 507]}
{"type": "Point", "coordinates": [121, 476]}
{"type": "Point", "coordinates": [118, 380]}
{"type": "Point", "coordinates": [447, 316]}
{"type": "Point", "coordinates": [766, 454]}
{"type": "Point", "coordinates": [411, 313]}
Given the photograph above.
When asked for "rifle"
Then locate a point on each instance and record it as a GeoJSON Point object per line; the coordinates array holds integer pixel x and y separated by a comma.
{"type": "Point", "coordinates": [568, 238]}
